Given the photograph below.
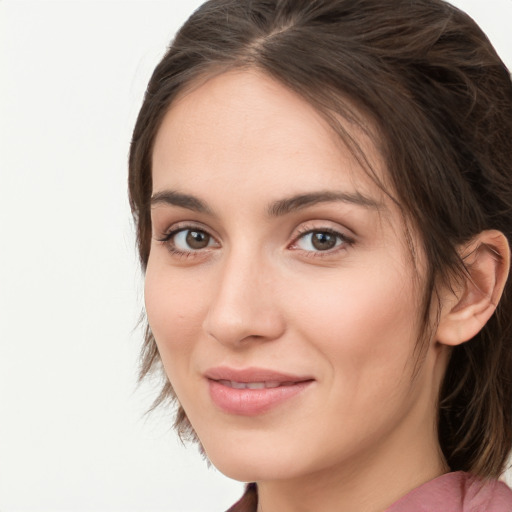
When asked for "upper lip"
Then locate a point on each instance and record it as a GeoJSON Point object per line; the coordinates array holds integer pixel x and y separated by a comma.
{"type": "Point", "coordinates": [253, 374]}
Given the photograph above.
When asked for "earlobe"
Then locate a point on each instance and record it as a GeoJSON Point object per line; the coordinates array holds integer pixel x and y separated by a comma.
{"type": "Point", "coordinates": [469, 303]}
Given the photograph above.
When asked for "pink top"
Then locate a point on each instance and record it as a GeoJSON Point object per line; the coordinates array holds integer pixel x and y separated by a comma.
{"type": "Point", "coordinates": [456, 492]}
{"type": "Point", "coordinates": [453, 492]}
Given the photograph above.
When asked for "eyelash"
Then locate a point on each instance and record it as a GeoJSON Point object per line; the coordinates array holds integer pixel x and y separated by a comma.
{"type": "Point", "coordinates": [167, 240]}
{"type": "Point", "coordinates": [345, 241]}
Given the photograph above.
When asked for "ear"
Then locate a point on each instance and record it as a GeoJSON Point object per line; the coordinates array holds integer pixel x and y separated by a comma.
{"type": "Point", "coordinates": [467, 305]}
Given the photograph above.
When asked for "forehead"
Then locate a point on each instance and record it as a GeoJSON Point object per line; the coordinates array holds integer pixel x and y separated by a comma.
{"type": "Point", "coordinates": [246, 130]}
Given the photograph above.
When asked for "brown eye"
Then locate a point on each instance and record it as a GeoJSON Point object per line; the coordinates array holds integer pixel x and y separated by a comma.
{"type": "Point", "coordinates": [197, 239]}
{"type": "Point", "coordinates": [323, 241]}
{"type": "Point", "coordinates": [316, 241]}
{"type": "Point", "coordinates": [187, 240]}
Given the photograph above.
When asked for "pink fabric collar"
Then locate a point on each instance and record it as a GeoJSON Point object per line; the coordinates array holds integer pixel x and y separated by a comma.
{"type": "Point", "coordinates": [452, 492]}
{"type": "Point", "coordinates": [456, 492]}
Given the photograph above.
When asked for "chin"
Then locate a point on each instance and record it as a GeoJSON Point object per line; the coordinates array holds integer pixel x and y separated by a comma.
{"type": "Point", "coordinates": [251, 470]}
{"type": "Point", "coordinates": [252, 461]}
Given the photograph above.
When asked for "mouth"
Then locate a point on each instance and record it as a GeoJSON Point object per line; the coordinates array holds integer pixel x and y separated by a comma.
{"type": "Point", "coordinates": [254, 385]}
{"type": "Point", "coordinates": [253, 391]}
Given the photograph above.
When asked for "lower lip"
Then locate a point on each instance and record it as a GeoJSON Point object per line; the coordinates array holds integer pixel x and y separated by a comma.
{"type": "Point", "coordinates": [251, 402]}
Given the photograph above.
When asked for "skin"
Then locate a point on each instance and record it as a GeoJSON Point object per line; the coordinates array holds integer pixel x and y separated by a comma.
{"type": "Point", "coordinates": [260, 294]}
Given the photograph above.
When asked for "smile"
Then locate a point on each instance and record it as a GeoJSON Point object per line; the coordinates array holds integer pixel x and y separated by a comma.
{"type": "Point", "coordinates": [253, 391]}
{"type": "Point", "coordinates": [254, 385]}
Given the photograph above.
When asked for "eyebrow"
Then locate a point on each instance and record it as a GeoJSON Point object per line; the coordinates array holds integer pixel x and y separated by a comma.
{"type": "Point", "coordinates": [275, 209]}
{"type": "Point", "coordinates": [187, 201]}
{"type": "Point", "coordinates": [294, 203]}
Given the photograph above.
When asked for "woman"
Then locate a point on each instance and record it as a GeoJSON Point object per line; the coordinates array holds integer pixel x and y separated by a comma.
{"type": "Point", "coordinates": [323, 199]}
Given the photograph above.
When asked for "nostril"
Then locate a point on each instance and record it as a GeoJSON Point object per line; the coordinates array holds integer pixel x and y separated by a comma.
{"type": "Point", "coordinates": [254, 326]}
{"type": "Point", "coordinates": [243, 309]}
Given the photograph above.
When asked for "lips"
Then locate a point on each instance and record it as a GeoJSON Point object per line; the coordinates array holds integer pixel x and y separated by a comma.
{"type": "Point", "coordinates": [253, 391]}
{"type": "Point", "coordinates": [254, 385]}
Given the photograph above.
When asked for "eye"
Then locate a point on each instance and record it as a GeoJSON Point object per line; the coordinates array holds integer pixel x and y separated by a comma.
{"type": "Point", "coordinates": [188, 240]}
{"type": "Point", "coordinates": [192, 240]}
{"type": "Point", "coordinates": [320, 240]}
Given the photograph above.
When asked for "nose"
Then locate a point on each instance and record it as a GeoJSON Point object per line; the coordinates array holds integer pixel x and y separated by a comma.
{"type": "Point", "coordinates": [245, 305]}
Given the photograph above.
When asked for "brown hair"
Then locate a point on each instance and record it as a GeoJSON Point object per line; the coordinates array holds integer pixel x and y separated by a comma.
{"type": "Point", "coordinates": [442, 101]}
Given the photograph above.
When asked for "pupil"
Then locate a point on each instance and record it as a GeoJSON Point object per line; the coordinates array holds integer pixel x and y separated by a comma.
{"type": "Point", "coordinates": [197, 239]}
{"type": "Point", "coordinates": [323, 241]}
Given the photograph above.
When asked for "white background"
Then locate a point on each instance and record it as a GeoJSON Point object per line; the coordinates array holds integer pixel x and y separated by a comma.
{"type": "Point", "coordinates": [73, 436]}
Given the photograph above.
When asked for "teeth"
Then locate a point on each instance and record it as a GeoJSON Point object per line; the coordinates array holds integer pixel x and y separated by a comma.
{"type": "Point", "coordinates": [253, 385]}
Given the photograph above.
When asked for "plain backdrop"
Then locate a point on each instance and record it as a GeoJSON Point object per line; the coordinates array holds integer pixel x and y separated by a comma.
{"type": "Point", "coordinates": [73, 435]}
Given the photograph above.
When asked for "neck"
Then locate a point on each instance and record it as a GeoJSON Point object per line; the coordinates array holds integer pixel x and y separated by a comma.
{"type": "Point", "coordinates": [373, 490]}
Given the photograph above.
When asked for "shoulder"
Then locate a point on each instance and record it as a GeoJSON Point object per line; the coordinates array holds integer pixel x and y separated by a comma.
{"type": "Point", "coordinates": [487, 496]}
{"type": "Point", "coordinates": [457, 492]}
{"type": "Point", "coordinates": [453, 492]}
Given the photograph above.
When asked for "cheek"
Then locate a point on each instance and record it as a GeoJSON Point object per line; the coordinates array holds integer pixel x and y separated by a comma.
{"type": "Point", "coordinates": [362, 326]}
{"type": "Point", "coordinates": [175, 306]}
{"type": "Point", "coordinates": [363, 321]}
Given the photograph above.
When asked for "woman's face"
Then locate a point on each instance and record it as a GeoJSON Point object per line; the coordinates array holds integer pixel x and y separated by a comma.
{"type": "Point", "coordinates": [280, 288]}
